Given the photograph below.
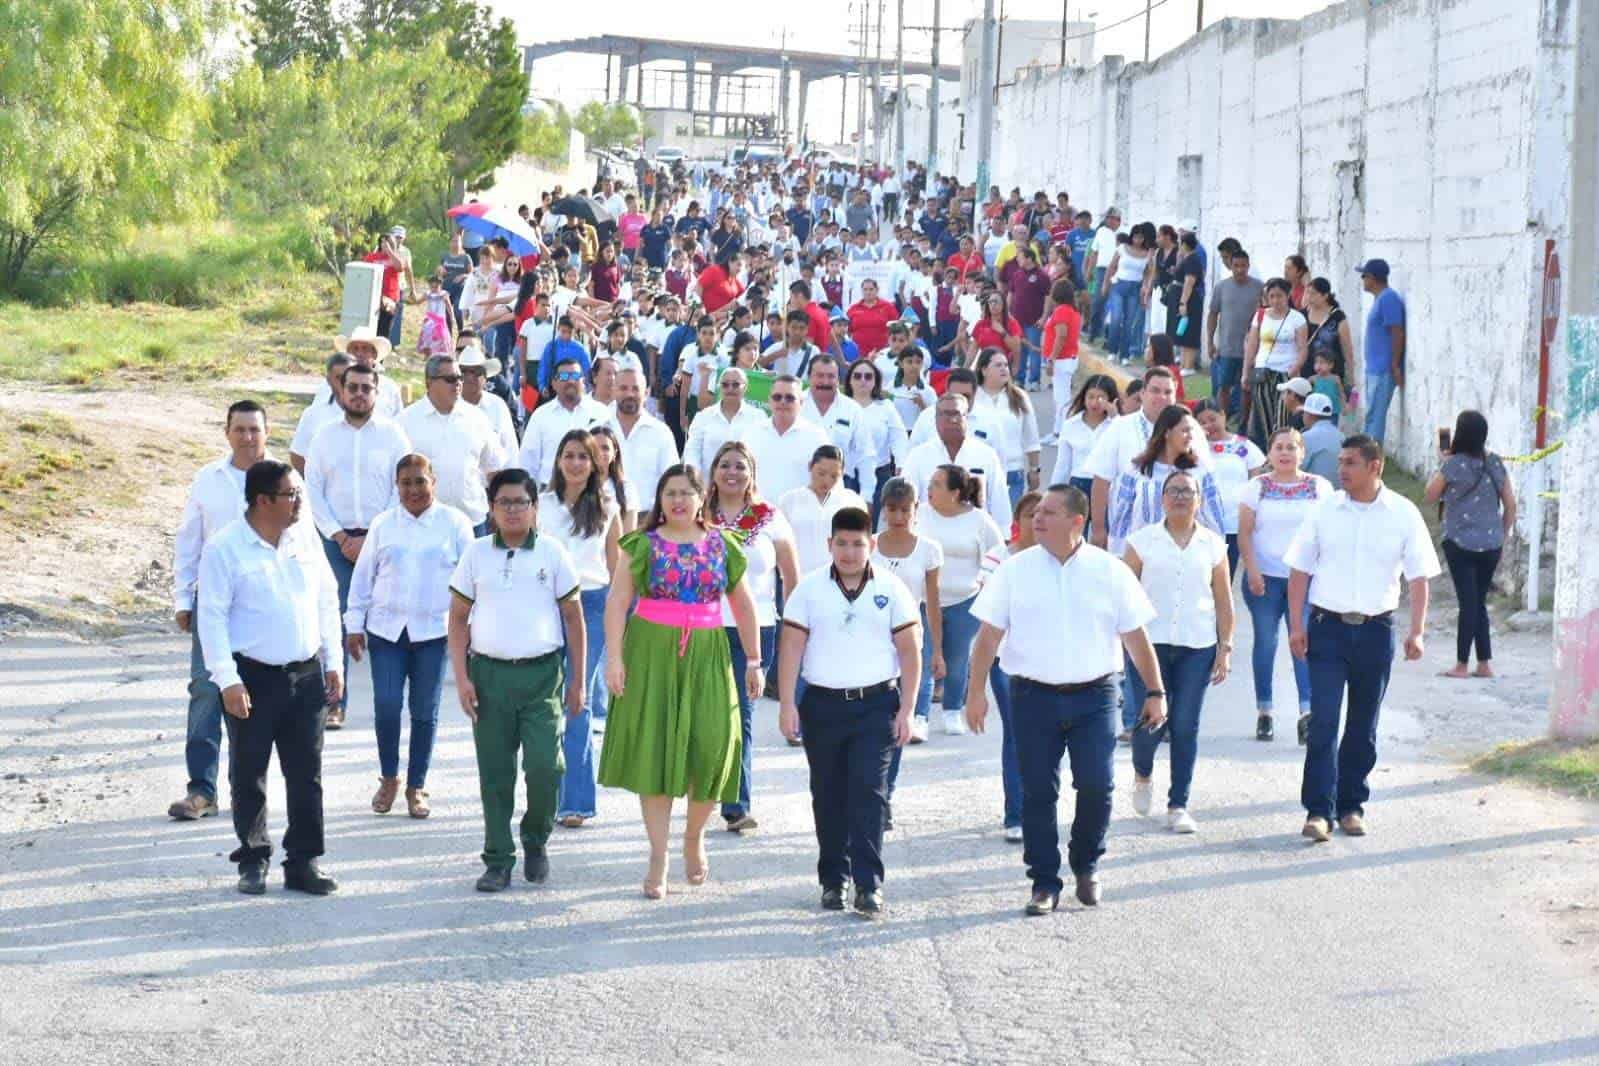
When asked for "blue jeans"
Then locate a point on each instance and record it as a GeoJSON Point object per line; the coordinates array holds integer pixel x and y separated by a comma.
{"type": "Point", "coordinates": [202, 748]}
{"type": "Point", "coordinates": [1359, 658]}
{"type": "Point", "coordinates": [1124, 321]}
{"type": "Point", "coordinates": [746, 712]}
{"type": "Point", "coordinates": [1086, 486]}
{"type": "Point", "coordinates": [577, 784]}
{"type": "Point", "coordinates": [393, 664]}
{"type": "Point", "coordinates": [1080, 725]}
{"type": "Point", "coordinates": [960, 630]}
{"type": "Point", "coordinates": [1227, 373]}
{"type": "Point", "coordinates": [501, 340]}
{"type": "Point", "coordinates": [1032, 368]}
{"type": "Point", "coordinates": [1267, 613]}
{"type": "Point", "coordinates": [1010, 770]}
{"type": "Point", "coordinates": [1379, 394]}
{"type": "Point", "coordinates": [343, 570]}
{"type": "Point", "coordinates": [1186, 674]}
{"type": "Point", "coordinates": [924, 697]}
{"type": "Point", "coordinates": [1096, 315]}
{"type": "Point", "coordinates": [394, 324]}
{"type": "Point", "coordinates": [1015, 484]}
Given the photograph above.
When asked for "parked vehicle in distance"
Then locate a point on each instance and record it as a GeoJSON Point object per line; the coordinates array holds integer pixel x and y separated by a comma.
{"type": "Point", "coordinates": [667, 155]}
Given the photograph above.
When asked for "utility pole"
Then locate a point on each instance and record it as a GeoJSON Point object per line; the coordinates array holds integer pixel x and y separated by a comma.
{"type": "Point", "coordinates": [860, 85]}
{"type": "Point", "coordinates": [1199, 19]}
{"type": "Point", "coordinates": [899, 94]}
{"type": "Point", "coordinates": [985, 107]}
{"type": "Point", "coordinates": [1148, 7]}
{"type": "Point", "coordinates": [932, 104]}
{"type": "Point", "coordinates": [877, 90]}
{"type": "Point", "coordinates": [1065, 21]}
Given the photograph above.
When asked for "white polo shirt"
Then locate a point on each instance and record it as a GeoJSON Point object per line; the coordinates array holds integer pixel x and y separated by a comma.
{"type": "Point", "coordinates": [1357, 552]}
{"type": "Point", "coordinates": [515, 595]}
{"type": "Point", "coordinates": [541, 439]}
{"type": "Point", "coordinates": [401, 582]}
{"type": "Point", "coordinates": [980, 423]}
{"type": "Point", "coordinates": [812, 522]}
{"type": "Point", "coordinates": [1063, 622]}
{"type": "Point", "coordinates": [850, 639]}
{"type": "Point", "coordinates": [979, 460]}
{"type": "Point", "coordinates": [783, 457]}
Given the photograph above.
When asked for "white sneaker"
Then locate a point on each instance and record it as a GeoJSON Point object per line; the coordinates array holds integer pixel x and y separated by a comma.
{"type": "Point", "coordinates": [955, 723]}
{"type": "Point", "coordinates": [1143, 795]}
{"type": "Point", "coordinates": [918, 729]}
{"type": "Point", "coordinates": [1013, 834]}
{"type": "Point", "coordinates": [1180, 821]}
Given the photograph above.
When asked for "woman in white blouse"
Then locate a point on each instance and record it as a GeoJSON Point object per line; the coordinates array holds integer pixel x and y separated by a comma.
{"type": "Point", "coordinates": [810, 509]}
{"type": "Point", "coordinates": [398, 610]}
{"type": "Point", "coordinates": [1234, 459]}
{"type": "Point", "coordinates": [1183, 568]}
{"type": "Point", "coordinates": [885, 430]}
{"type": "Point", "coordinates": [1090, 413]}
{"type": "Point", "coordinates": [915, 560]}
{"type": "Point", "coordinates": [618, 487]}
{"type": "Point", "coordinates": [1135, 495]}
{"type": "Point", "coordinates": [576, 511]}
{"type": "Point", "coordinates": [733, 501]}
{"type": "Point", "coordinates": [1274, 351]}
{"type": "Point", "coordinates": [1269, 514]}
{"type": "Point", "coordinates": [965, 534]}
{"type": "Point", "coordinates": [911, 391]}
{"type": "Point", "coordinates": [1011, 408]}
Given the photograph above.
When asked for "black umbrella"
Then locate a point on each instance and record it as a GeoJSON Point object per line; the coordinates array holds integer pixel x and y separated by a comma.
{"type": "Point", "coordinates": [584, 207]}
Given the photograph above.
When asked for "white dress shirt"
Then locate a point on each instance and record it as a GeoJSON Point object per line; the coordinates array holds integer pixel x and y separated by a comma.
{"type": "Point", "coordinates": [541, 440]}
{"type": "Point", "coordinates": [979, 460]}
{"type": "Point", "coordinates": [1119, 445]}
{"type": "Point", "coordinates": [401, 583]}
{"type": "Point", "coordinates": [276, 605]}
{"type": "Point", "coordinates": [1063, 622]}
{"type": "Point", "coordinates": [846, 424]}
{"type": "Point", "coordinates": [850, 641]}
{"type": "Point", "coordinates": [783, 458]}
{"type": "Point", "coordinates": [712, 428]}
{"type": "Point", "coordinates": [1177, 582]}
{"type": "Point", "coordinates": [1018, 433]}
{"type": "Point", "coordinates": [515, 595]}
{"type": "Point", "coordinates": [350, 472]}
{"type": "Point", "coordinates": [980, 423]}
{"type": "Point", "coordinates": [504, 426]}
{"type": "Point", "coordinates": [462, 448]}
{"type": "Point", "coordinates": [812, 522]}
{"type": "Point", "coordinates": [216, 499]}
{"type": "Point", "coordinates": [390, 403]}
{"type": "Point", "coordinates": [1357, 552]}
{"type": "Point", "coordinates": [1075, 445]}
{"type": "Point", "coordinates": [647, 453]}
{"type": "Point", "coordinates": [321, 412]}
{"type": "Point", "coordinates": [886, 438]}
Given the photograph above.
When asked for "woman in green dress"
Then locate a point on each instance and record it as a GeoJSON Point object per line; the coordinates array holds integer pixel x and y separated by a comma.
{"type": "Point", "coordinates": [673, 728]}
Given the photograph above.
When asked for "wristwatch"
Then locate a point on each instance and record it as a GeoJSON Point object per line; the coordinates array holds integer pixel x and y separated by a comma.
{"type": "Point", "coordinates": [1153, 693]}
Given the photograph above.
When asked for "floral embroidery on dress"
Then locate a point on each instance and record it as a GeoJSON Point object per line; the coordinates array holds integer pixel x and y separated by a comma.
{"type": "Point", "coordinates": [1237, 445]}
{"type": "Point", "coordinates": [750, 522]}
{"type": "Point", "coordinates": [1271, 489]}
{"type": "Point", "coordinates": [688, 573]}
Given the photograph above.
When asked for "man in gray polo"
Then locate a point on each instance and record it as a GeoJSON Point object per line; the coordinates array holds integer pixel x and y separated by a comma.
{"type": "Point", "coordinates": [1321, 436]}
{"type": "Point", "coordinates": [1232, 308]}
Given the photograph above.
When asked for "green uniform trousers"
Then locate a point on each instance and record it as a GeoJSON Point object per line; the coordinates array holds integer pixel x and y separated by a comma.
{"type": "Point", "coordinates": [518, 706]}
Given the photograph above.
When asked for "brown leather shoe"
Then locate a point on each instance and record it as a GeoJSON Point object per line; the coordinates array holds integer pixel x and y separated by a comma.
{"type": "Point", "coordinates": [335, 717]}
{"type": "Point", "coordinates": [1088, 890]}
{"type": "Point", "coordinates": [416, 801]}
{"type": "Point", "coordinates": [1353, 825]}
{"type": "Point", "coordinates": [383, 798]}
{"type": "Point", "coordinates": [192, 808]}
{"type": "Point", "coordinates": [1317, 829]}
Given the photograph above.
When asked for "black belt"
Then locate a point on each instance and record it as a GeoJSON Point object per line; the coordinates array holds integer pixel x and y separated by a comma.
{"type": "Point", "coordinates": [1070, 686]}
{"type": "Point", "coordinates": [1348, 618]}
{"type": "Point", "coordinates": [519, 662]}
{"type": "Point", "coordinates": [354, 532]}
{"type": "Point", "coordinates": [854, 694]}
{"type": "Point", "coordinates": [294, 669]}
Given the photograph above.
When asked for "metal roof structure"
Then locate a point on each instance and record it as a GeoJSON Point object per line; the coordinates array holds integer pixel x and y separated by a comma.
{"type": "Point", "coordinates": [723, 58]}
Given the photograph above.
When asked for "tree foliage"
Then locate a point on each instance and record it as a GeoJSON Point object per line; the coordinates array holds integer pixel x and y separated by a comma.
{"type": "Point", "coordinates": [286, 30]}
{"type": "Point", "coordinates": [98, 117]}
{"type": "Point", "coordinates": [605, 125]}
{"type": "Point", "coordinates": [546, 136]}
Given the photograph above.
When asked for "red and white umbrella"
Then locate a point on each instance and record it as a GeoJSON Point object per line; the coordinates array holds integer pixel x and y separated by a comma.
{"type": "Point", "coordinates": [489, 221]}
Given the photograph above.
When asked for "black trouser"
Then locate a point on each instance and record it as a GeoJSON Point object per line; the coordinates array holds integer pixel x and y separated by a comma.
{"type": "Point", "coordinates": [672, 415]}
{"type": "Point", "coordinates": [288, 708]}
{"type": "Point", "coordinates": [849, 745]}
{"type": "Point", "coordinates": [890, 208]}
{"type": "Point", "coordinates": [1473, 574]}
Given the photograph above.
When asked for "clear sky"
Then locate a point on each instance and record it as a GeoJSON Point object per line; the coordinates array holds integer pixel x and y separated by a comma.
{"type": "Point", "coordinates": [826, 26]}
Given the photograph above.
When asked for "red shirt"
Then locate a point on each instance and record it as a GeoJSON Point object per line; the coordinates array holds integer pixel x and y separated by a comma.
{"type": "Point", "coordinates": [1061, 333]}
{"type": "Point", "coordinates": [1028, 288]}
{"type": "Point", "coordinates": [971, 264]}
{"type": "Point", "coordinates": [390, 286]}
{"type": "Point", "coordinates": [821, 331]}
{"type": "Point", "coordinates": [987, 336]}
{"type": "Point", "coordinates": [868, 324]}
{"type": "Point", "coordinates": [718, 289]}
{"type": "Point", "coordinates": [607, 282]}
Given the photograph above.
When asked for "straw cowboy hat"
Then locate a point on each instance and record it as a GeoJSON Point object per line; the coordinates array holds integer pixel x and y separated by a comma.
{"type": "Point", "coordinates": [472, 355]}
{"type": "Point", "coordinates": [364, 335]}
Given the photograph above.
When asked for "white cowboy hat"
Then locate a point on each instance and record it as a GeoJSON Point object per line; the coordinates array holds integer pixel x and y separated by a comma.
{"type": "Point", "coordinates": [364, 335]}
{"type": "Point", "coordinates": [472, 355]}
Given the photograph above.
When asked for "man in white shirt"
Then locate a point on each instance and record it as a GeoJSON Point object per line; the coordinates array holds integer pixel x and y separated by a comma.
{"type": "Point", "coordinates": [954, 445]}
{"type": "Point", "coordinates": [456, 438]}
{"type": "Point", "coordinates": [648, 447]}
{"type": "Point", "coordinates": [571, 408]}
{"type": "Point", "coordinates": [398, 606]}
{"type": "Point", "coordinates": [983, 425]}
{"type": "Point", "coordinates": [216, 500]}
{"type": "Point", "coordinates": [323, 409]}
{"type": "Point", "coordinates": [730, 418]}
{"type": "Point", "coordinates": [269, 630]}
{"type": "Point", "coordinates": [514, 604]}
{"type": "Point", "coordinates": [783, 447]}
{"type": "Point", "coordinates": [793, 354]}
{"type": "Point", "coordinates": [854, 637]}
{"type": "Point", "coordinates": [349, 481]}
{"type": "Point", "coordinates": [1066, 611]}
{"type": "Point", "coordinates": [1100, 253]}
{"type": "Point", "coordinates": [367, 349]}
{"type": "Point", "coordinates": [1346, 561]}
{"type": "Point", "coordinates": [476, 370]}
{"type": "Point", "coordinates": [843, 420]}
{"type": "Point", "coordinates": [1123, 440]}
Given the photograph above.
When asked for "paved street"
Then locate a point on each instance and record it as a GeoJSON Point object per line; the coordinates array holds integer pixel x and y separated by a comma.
{"type": "Point", "coordinates": [1463, 930]}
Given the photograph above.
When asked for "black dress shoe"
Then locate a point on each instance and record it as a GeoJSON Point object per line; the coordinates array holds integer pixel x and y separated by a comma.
{"type": "Point", "coordinates": [536, 868]}
{"type": "Point", "coordinates": [252, 878]}
{"type": "Point", "coordinates": [868, 904]}
{"type": "Point", "coordinates": [888, 817]}
{"type": "Point", "coordinates": [1042, 903]}
{"type": "Point", "coordinates": [833, 899]}
{"type": "Point", "coordinates": [1263, 729]}
{"type": "Point", "coordinates": [1088, 890]}
{"type": "Point", "coordinates": [495, 879]}
{"type": "Point", "coordinates": [306, 877]}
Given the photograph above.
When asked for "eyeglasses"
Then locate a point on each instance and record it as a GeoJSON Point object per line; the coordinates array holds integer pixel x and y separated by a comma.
{"type": "Point", "coordinates": [732, 386]}
{"type": "Point", "coordinates": [783, 397]}
{"type": "Point", "coordinates": [448, 379]}
{"type": "Point", "coordinates": [360, 389]}
{"type": "Point", "coordinates": [292, 494]}
{"type": "Point", "coordinates": [513, 503]}
{"type": "Point", "coordinates": [1181, 494]}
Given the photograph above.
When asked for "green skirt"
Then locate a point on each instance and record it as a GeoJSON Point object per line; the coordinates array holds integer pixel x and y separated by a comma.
{"type": "Point", "coordinates": [675, 729]}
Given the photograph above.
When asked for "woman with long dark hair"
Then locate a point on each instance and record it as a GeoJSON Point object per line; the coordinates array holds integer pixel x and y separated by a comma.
{"type": "Point", "coordinates": [885, 430]}
{"type": "Point", "coordinates": [1090, 413]}
{"type": "Point", "coordinates": [616, 487]}
{"type": "Point", "coordinates": [1274, 352]}
{"type": "Point", "coordinates": [1479, 510]}
{"type": "Point", "coordinates": [1012, 410]}
{"type": "Point", "coordinates": [1328, 329]}
{"type": "Point", "coordinates": [1135, 495]}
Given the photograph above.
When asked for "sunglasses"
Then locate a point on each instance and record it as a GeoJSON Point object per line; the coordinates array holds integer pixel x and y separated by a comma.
{"type": "Point", "coordinates": [448, 379]}
{"type": "Point", "coordinates": [782, 397]}
{"type": "Point", "coordinates": [569, 375]}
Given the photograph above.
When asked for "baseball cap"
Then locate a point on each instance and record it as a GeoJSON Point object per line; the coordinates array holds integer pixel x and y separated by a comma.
{"type": "Point", "coordinates": [1298, 386]}
{"type": "Point", "coordinates": [1188, 225]}
{"type": "Point", "coordinates": [1377, 268]}
{"type": "Point", "coordinates": [397, 231]}
{"type": "Point", "coordinates": [838, 315]}
{"type": "Point", "coordinates": [1318, 403]}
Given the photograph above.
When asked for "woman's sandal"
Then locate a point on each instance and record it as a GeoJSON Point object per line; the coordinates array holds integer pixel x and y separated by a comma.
{"type": "Point", "coordinates": [655, 887]}
{"type": "Point", "coordinates": [696, 874]}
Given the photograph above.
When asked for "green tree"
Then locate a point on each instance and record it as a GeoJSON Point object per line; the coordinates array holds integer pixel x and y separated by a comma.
{"type": "Point", "coordinates": [605, 125]}
{"type": "Point", "coordinates": [282, 31]}
{"type": "Point", "coordinates": [98, 119]}
{"type": "Point", "coordinates": [547, 136]}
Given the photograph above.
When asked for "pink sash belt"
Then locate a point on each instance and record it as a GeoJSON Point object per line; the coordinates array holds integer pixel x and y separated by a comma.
{"type": "Point", "coordinates": [686, 616]}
